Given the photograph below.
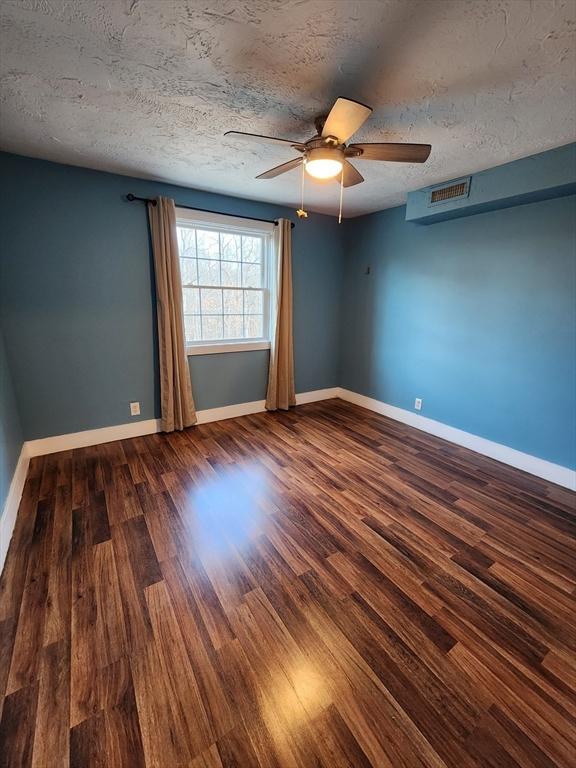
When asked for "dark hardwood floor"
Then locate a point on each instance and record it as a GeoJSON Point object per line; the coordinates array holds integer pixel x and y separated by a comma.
{"type": "Point", "coordinates": [324, 587]}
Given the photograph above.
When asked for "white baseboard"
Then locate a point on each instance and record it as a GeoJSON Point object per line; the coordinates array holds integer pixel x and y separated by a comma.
{"type": "Point", "coordinates": [258, 406]}
{"type": "Point", "coordinates": [58, 443]}
{"type": "Point", "coordinates": [525, 461]}
{"type": "Point", "coordinates": [10, 511]}
{"type": "Point", "coordinates": [230, 411]}
{"type": "Point", "coordinates": [317, 394]}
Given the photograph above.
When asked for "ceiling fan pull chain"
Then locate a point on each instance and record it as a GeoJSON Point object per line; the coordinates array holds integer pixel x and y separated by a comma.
{"type": "Point", "coordinates": [341, 196]}
{"type": "Point", "coordinates": [301, 212]}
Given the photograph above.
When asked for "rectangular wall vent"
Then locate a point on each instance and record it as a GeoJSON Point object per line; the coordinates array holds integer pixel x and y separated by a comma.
{"type": "Point", "coordinates": [454, 190]}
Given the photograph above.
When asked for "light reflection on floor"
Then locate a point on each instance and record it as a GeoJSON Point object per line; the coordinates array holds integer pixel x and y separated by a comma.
{"type": "Point", "coordinates": [224, 511]}
{"type": "Point", "coordinates": [225, 516]}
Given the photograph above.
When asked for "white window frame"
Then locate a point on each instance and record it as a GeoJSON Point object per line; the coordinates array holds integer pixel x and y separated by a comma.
{"type": "Point", "coordinates": [237, 225]}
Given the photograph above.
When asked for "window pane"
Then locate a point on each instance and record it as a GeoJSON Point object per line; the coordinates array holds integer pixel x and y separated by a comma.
{"type": "Point", "coordinates": [186, 242]}
{"type": "Point", "coordinates": [192, 328]}
{"type": "Point", "coordinates": [191, 301]}
{"type": "Point", "coordinates": [212, 328]}
{"type": "Point", "coordinates": [251, 275]}
{"type": "Point", "coordinates": [253, 326]}
{"type": "Point", "coordinates": [208, 272]}
{"type": "Point", "coordinates": [211, 301]}
{"type": "Point", "coordinates": [233, 326]}
{"type": "Point", "coordinates": [207, 244]}
{"type": "Point", "coordinates": [230, 245]}
{"type": "Point", "coordinates": [230, 273]}
{"type": "Point", "coordinates": [189, 271]}
{"type": "Point", "coordinates": [233, 302]}
{"type": "Point", "coordinates": [226, 264]}
{"type": "Point", "coordinates": [252, 249]}
{"type": "Point", "coordinates": [253, 303]}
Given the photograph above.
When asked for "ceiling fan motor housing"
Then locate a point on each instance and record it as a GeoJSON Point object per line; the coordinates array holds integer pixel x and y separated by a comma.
{"type": "Point", "coordinates": [324, 153]}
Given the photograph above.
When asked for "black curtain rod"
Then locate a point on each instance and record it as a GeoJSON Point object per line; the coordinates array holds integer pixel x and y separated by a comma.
{"type": "Point", "coordinates": [132, 197]}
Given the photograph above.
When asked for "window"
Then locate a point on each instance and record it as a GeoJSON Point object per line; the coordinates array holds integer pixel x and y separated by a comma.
{"type": "Point", "coordinates": [226, 267]}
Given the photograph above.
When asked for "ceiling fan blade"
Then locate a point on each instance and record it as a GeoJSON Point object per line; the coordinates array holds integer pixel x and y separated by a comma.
{"type": "Point", "coordinates": [262, 139]}
{"type": "Point", "coordinates": [280, 169]}
{"type": "Point", "coordinates": [394, 153]}
{"type": "Point", "coordinates": [351, 175]}
{"type": "Point", "coordinates": [345, 117]}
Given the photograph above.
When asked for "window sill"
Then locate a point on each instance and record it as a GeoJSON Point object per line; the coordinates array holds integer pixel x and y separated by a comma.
{"type": "Point", "coordinates": [213, 349]}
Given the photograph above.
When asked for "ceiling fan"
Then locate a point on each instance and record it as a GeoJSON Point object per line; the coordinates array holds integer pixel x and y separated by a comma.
{"type": "Point", "coordinates": [325, 156]}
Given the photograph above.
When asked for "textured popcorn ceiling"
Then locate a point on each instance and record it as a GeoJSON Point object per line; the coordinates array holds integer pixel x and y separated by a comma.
{"type": "Point", "coordinates": [148, 87]}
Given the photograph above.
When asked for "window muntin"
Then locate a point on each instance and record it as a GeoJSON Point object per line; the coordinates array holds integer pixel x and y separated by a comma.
{"type": "Point", "coordinates": [225, 283]}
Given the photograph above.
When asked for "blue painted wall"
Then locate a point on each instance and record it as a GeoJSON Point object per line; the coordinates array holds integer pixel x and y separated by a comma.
{"type": "Point", "coordinates": [77, 303]}
{"type": "Point", "coordinates": [10, 429]}
{"type": "Point", "coordinates": [477, 316]}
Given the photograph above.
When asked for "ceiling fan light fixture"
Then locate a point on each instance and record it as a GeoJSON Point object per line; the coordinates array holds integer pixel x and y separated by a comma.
{"type": "Point", "coordinates": [323, 168]}
{"type": "Point", "coordinates": [324, 163]}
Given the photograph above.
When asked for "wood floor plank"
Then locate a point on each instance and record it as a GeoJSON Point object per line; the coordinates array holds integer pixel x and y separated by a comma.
{"type": "Point", "coordinates": [208, 759]}
{"type": "Point", "coordinates": [317, 588]}
{"type": "Point", "coordinates": [57, 621]}
{"type": "Point", "coordinates": [17, 727]}
{"type": "Point", "coordinates": [203, 659]}
{"type": "Point", "coordinates": [177, 672]}
{"type": "Point", "coordinates": [52, 732]}
{"type": "Point", "coordinates": [122, 725]}
{"type": "Point", "coordinates": [84, 669]}
{"type": "Point", "coordinates": [134, 576]}
{"type": "Point", "coordinates": [111, 640]}
{"type": "Point", "coordinates": [164, 737]}
{"type": "Point", "coordinates": [164, 526]}
{"type": "Point", "coordinates": [235, 749]}
{"type": "Point", "coordinates": [338, 747]}
{"type": "Point", "coordinates": [88, 743]}
{"type": "Point", "coordinates": [13, 576]}
{"type": "Point", "coordinates": [27, 649]}
{"type": "Point", "coordinates": [121, 496]}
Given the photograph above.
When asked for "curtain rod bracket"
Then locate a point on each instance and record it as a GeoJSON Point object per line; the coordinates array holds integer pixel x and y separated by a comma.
{"type": "Point", "coordinates": [131, 198]}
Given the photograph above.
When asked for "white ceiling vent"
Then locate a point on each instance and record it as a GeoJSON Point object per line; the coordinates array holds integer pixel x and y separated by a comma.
{"type": "Point", "coordinates": [452, 190]}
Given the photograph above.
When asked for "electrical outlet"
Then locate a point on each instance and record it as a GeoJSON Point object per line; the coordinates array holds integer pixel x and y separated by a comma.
{"type": "Point", "coordinates": [418, 404]}
{"type": "Point", "coordinates": [134, 409]}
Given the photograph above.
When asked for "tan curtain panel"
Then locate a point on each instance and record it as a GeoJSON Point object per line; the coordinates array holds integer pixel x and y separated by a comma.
{"type": "Point", "coordinates": [281, 392]}
{"type": "Point", "coordinates": [178, 409]}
